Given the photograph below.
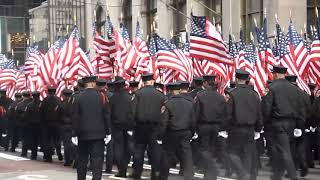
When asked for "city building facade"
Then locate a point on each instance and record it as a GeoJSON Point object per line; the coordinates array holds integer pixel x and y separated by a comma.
{"type": "Point", "coordinates": [171, 17]}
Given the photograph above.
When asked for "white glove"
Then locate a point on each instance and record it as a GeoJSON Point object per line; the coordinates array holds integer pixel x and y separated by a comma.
{"type": "Point", "coordinates": [130, 133]}
{"type": "Point", "coordinates": [256, 135]}
{"type": "Point", "coordinates": [312, 129]}
{"type": "Point", "coordinates": [223, 134]}
{"type": "Point", "coordinates": [159, 141]}
{"type": "Point", "coordinates": [74, 141]}
{"type": "Point", "coordinates": [4, 135]}
{"type": "Point", "coordinates": [307, 130]}
{"type": "Point", "coordinates": [107, 139]}
{"type": "Point", "coordinates": [195, 136]}
{"type": "Point", "coordinates": [297, 132]}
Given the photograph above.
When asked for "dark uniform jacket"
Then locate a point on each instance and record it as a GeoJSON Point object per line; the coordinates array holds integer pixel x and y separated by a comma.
{"type": "Point", "coordinates": [121, 106]}
{"type": "Point", "coordinates": [23, 117]}
{"type": "Point", "coordinates": [49, 110]}
{"type": "Point", "coordinates": [195, 91]}
{"type": "Point", "coordinates": [211, 107]}
{"type": "Point", "coordinates": [65, 112]}
{"type": "Point", "coordinates": [244, 108]}
{"type": "Point", "coordinates": [5, 102]}
{"type": "Point", "coordinates": [148, 102]}
{"type": "Point", "coordinates": [178, 114]}
{"type": "Point", "coordinates": [282, 105]}
{"type": "Point", "coordinates": [91, 115]}
{"type": "Point", "coordinates": [34, 108]}
{"type": "Point", "coordinates": [316, 111]}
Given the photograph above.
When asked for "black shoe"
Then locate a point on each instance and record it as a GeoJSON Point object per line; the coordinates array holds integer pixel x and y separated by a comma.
{"type": "Point", "coordinates": [23, 155]}
{"type": "Point", "coordinates": [67, 164]}
{"type": "Point", "coordinates": [60, 157]}
{"type": "Point", "coordinates": [13, 150]}
{"type": "Point", "coordinates": [108, 171]}
{"type": "Point", "coordinates": [33, 158]}
{"type": "Point", "coordinates": [133, 176]}
{"type": "Point", "coordinates": [122, 175]}
{"type": "Point", "coordinates": [48, 160]}
{"type": "Point", "coordinates": [304, 172]}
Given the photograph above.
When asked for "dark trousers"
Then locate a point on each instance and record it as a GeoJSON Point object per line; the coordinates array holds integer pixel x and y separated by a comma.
{"type": "Point", "coordinates": [208, 135]}
{"type": "Point", "coordinates": [110, 155]}
{"type": "Point", "coordinates": [121, 148]}
{"type": "Point", "coordinates": [33, 133]}
{"type": "Point", "coordinates": [93, 149]}
{"type": "Point", "coordinates": [241, 149]}
{"type": "Point", "coordinates": [299, 152]}
{"type": "Point", "coordinates": [173, 141]}
{"type": "Point", "coordinates": [311, 145]}
{"type": "Point", "coordinates": [66, 132]}
{"type": "Point", "coordinates": [52, 138]}
{"type": "Point", "coordinates": [281, 154]}
{"type": "Point", "coordinates": [146, 136]}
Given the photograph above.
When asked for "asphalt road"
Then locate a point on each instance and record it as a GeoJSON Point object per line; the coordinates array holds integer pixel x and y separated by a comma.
{"type": "Point", "coordinates": [13, 167]}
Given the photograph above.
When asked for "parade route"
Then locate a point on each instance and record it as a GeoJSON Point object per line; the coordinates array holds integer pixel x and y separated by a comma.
{"type": "Point", "coordinates": [14, 167]}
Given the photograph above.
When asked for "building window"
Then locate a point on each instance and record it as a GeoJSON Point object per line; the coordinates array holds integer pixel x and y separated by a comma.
{"type": "Point", "coordinates": [151, 13]}
{"type": "Point", "coordinates": [251, 9]}
{"type": "Point", "coordinates": [311, 13]}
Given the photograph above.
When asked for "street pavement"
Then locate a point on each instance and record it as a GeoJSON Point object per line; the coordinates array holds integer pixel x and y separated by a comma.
{"type": "Point", "coordinates": [13, 167]}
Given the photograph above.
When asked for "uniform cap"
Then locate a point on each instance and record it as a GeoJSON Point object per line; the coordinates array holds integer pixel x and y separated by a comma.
{"type": "Point", "coordinates": [101, 82]}
{"type": "Point", "coordinates": [279, 69]}
{"type": "Point", "coordinates": [109, 83]}
{"type": "Point", "coordinates": [80, 83]}
{"type": "Point", "coordinates": [35, 94]}
{"type": "Point", "coordinates": [26, 93]}
{"type": "Point", "coordinates": [147, 77]}
{"type": "Point", "coordinates": [133, 83]}
{"type": "Point", "coordinates": [158, 85]}
{"type": "Point", "coordinates": [184, 84]}
{"type": "Point", "coordinates": [291, 78]}
{"type": "Point", "coordinates": [208, 77]}
{"type": "Point", "coordinates": [173, 86]}
{"type": "Point", "coordinates": [52, 89]}
{"type": "Point", "coordinates": [242, 74]}
{"type": "Point", "coordinates": [89, 79]}
{"type": "Point", "coordinates": [118, 80]}
{"type": "Point", "coordinates": [67, 92]}
{"type": "Point", "coordinates": [18, 95]}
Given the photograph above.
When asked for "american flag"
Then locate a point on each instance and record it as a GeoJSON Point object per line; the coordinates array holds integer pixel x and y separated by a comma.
{"type": "Point", "coordinates": [315, 53]}
{"type": "Point", "coordinates": [286, 59]}
{"type": "Point", "coordinates": [68, 57]}
{"type": "Point", "coordinates": [153, 52]}
{"type": "Point", "coordinates": [206, 42]}
{"type": "Point", "coordinates": [128, 59]}
{"type": "Point", "coordinates": [105, 52]}
{"type": "Point", "coordinates": [240, 60]}
{"type": "Point", "coordinates": [250, 59]}
{"type": "Point", "coordinates": [298, 51]}
{"type": "Point", "coordinates": [48, 59]}
{"type": "Point", "coordinates": [33, 60]}
{"type": "Point", "coordinates": [143, 59]}
{"type": "Point", "coordinates": [265, 53]}
{"type": "Point", "coordinates": [169, 56]}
